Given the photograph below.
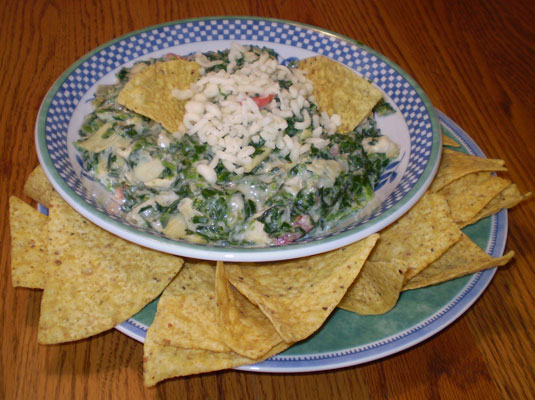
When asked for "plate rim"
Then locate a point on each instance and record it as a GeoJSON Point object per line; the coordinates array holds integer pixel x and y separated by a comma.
{"type": "Point", "coordinates": [211, 252]}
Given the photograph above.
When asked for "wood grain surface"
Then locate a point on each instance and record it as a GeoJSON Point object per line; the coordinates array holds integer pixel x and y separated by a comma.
{"type": "Point", "coordinates": [474, 59]}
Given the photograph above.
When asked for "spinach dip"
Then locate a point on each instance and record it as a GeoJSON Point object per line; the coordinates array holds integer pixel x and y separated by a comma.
{"type": "Point", "coordinates": [254, 162]}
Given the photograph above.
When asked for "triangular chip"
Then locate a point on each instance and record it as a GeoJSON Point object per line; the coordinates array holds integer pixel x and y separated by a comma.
{"type": "Point", "coordinates": [376, 290]}
{"type": "Point", "coordinates": [508, 198]}
{"type": "Point", "coordinates": [339, 90]}
{"type": "Point", "coordinates": [95, 280]}
{"type": "Point", "coordinates": [463, 258]}
{"type": "Point", "coordinates": [150, 92]}
{"type": "Point", "coordinates": [162, 362]}
{"type": "Point", "coordinates": [298, 295]}
{"type": "Point", "coordinates": [243, 327]}
{"type": "Point", "coordinates": [420, 236]}
{"type": "Point", "coordinates": [447, 141]}
{"type": "Point", "coordinates": [468, 195]}
{"type": "Point", "coordinates": [186, 314]}
{"type": "Point", "coordinates": [171, 325]}
{"type": "Point", "coordinates": [455, 165]}
{"type": "Point", "coordinates": [28, 244]}
{"type": "Point", "coordinates": [38, 188]}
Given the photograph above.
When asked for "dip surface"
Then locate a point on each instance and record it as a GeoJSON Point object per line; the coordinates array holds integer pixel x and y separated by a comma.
{"type": "Point", "coordinates": [254, 162]}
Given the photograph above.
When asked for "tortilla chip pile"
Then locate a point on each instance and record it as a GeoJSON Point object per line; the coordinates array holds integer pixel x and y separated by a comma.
{"type": "Point", "coordinates": [220, 316]}
{"type": "Point", "coordinates": [213, 316]}
{"type": "Point", "coordinates": [92, 280]}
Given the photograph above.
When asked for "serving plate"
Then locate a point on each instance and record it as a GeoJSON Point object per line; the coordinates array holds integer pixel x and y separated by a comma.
{"type": "Point", "coordinates": [347, 339]}
{"type": "Point", "coordinates": [413, 126]}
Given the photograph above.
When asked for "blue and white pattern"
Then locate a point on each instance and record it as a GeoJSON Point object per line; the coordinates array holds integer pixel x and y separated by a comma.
{"type": "Point", "coordinates": [63, 107]}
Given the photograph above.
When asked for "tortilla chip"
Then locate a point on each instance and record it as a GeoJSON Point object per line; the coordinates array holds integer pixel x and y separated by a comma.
{"type": "Point", "coordinates": [508, 198]}
{"type": "Point", "coordinates": [339, 90]}
{"type": "Point", "coordinates": [376, 290]}
{"type": "Point", "coordinates": [243, 327]}
{"type": "Point", "coordinates": [455, 165]}
{"type": "Point", "coordinates": [465, 257]}
{"type": "Point", "coordinates": [193, 287]}
{"type": "Point", "coordinates": [298, 295]}
{"type": "Point", "coordinates": [150, 92]}
{"type": "Point", "coordinates": [186, 314]}
{"type": "Point", "coordinates": [420, 236]}
{"type": "Point", "coordinates": [447, 141]}
{"type": "Point", "coordinates": [163, 362]}
{"type": "Point", "coordinates": [468, 195]}
{"type": "Point", "coordinates": [95, 280]}
{"type": "Point", "coordinates": [28, 244]}
{"type": "Point", "coordinates": [38, 188]}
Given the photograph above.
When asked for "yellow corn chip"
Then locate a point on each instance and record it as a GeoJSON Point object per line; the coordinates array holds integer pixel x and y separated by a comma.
{"type": "Point", "coordinates": [447, 141]}
{"type": "Point", "coordinates": [243, 327]}
{"type": "Point", "coordinates": [455, 165]}
{"type": "Point", "coordinates": [339, 90]}
{"type": "Point", "coordinates": [463, 258]}
{"type": "Point", "coordinates": [508, 198]}
{"type": "Point", "coordinates": [468, 195]}
{"type": "Point", "coordinates": [161, 359]}
{"type": "Point", "coordinates": [186, 314]}
{"type": "Point", "coordinates": [376, 290]}
{"type": "Point", "coordinates": [38, 188]}
{"type": "Point", "coordinates": [298, 295]}
{"type": "Point", "coordinates": [163, 362]}
{"type": "Point", "coordinates": [95, 280]}
{"type": "Point", "coordinates": [150, 92]}
{"type": "Point", "coordinates": [420, 236]}
{"type": "Point", "coordinates": [28, 244]}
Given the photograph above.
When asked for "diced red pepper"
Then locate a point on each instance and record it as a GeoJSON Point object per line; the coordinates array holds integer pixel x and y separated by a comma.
{"type": "Point", "coordinates": [262, 101]}
{"type": "Point", "coordinates": [287, 238]}
{"type": "Point", "coordinates": [335, 150]}
{"type": "Point", "coordinates": [171, 56]}
{"type": "Point", "coordinates": [304, 222]}
{"type": "Point", "coordinates": [119, 195]}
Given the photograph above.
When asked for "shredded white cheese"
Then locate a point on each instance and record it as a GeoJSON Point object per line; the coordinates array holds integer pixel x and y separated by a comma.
{"type": "Point", "coordinates": [233, 108]}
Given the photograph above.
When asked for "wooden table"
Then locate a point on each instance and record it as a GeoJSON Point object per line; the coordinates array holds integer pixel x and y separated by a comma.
{"type": "Point", "coordinates": [475, 61]}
